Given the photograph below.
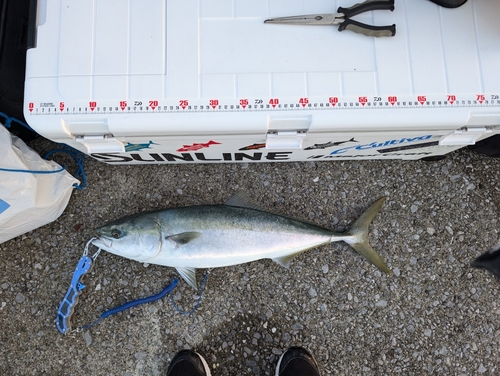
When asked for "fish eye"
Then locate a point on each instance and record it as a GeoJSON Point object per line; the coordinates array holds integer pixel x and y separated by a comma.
{"type": "Point", "coordinates": [117, 234]}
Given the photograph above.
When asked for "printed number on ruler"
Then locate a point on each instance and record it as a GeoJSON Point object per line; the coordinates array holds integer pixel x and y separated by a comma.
{"type": "Point", "coordinates": [274, 102]}
{"type": "Point", "coordinates": [183, 103]}
{"type": "Point", "coordinates": [363, 100]}
{"type": "Point", "coordinates": [153, 104]}
{"type": "Point", "coordinates": [422, 99]}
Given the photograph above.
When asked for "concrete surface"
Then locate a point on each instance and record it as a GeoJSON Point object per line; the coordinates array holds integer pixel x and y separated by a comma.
{"type": "Point", "coordinates": [435, 315]}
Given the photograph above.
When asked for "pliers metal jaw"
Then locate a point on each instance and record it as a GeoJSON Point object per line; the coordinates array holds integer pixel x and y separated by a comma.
{"type": "Point", "coordinates": [343, 19]}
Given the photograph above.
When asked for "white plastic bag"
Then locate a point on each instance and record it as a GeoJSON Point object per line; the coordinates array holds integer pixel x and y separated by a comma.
{"type": "Point", "coordinates": [29, 199]}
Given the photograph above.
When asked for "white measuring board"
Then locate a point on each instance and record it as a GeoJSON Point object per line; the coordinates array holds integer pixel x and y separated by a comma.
{"type": "Point", "coordinates": [207, 81]}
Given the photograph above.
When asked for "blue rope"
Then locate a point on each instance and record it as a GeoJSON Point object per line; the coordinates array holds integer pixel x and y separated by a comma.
{"type": "Point", "coordinates": [9, 120]}
{"type": "Point", "coordinates": [134, 303]}
{"type": "Point", "coordinates": [77, 156]}
{"type": "Point", "coordinates": [32, 171]}
{"type": "Point", "coordinates": [150, 299]}
{"type": "Point", "coordinates": [202, 287]}
{"type": "Point", "coordinates": [79, 159]}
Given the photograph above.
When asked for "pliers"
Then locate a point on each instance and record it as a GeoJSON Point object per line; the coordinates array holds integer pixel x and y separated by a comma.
{"type": "Point", "coordinates": [342, 18]}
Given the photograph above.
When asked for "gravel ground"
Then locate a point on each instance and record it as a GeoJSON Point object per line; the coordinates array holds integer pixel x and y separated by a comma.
{"type": "Point", "coordinates": [435, 315]}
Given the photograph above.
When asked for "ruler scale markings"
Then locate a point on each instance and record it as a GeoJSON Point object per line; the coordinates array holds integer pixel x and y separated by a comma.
{"type": "Point", "coordinates": [271, 104]}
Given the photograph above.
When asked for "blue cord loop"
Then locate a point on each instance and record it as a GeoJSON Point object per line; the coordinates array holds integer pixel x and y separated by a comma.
{"type": "Point", "coordinates": [9, 120]}
{"type": "Point", "coordinates": [150, 299]}
{"type": "Point", "coordinates": [77, 156]}
{"type": "Point", "coordinates": [79, 159]}
{"type": "Point", "coordinates": [202, 287]}
{"type": "Point", "coordinates": [133, 303]}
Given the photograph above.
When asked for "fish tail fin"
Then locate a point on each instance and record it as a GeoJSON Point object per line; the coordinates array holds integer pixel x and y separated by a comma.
{"type": "Point", "coordinates": [359, 236]}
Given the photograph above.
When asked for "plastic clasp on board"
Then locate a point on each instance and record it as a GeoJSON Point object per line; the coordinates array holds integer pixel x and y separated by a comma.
{"type": "Point", "coordinates": [101, 143]}
{"type": "Point", "coordinates": [464, 136]}
{"type": "Point", "coordinates": [287, 132]}
{"type": "Point", "coordinates": [280, 140]}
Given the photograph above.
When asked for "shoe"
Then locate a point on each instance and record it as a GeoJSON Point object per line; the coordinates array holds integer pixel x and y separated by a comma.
{"type": "Point", "coordinates": [450, 3]}
{"type": "Point", "coordinates": [489, 261]}
{"type": "Point", "coordinates": [188, 363]}
{"type": "Point", "coordinates": [297, 361]}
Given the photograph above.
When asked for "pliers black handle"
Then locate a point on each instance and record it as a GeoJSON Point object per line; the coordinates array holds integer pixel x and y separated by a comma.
{"type": "Point", "coordinates": [368, 30]}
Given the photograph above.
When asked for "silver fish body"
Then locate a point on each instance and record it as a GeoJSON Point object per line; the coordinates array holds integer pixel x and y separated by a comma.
{"type": "Point", "coordinates": [211, 236]}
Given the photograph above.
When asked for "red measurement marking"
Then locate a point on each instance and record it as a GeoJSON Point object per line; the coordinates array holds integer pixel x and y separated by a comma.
{"type": "Point", "coordinates": [333, 100]}
{"type": "Point", "coordinates": [363, 100]}
{"type": "Point", "coordinates": [392, 100]}
{"type": "Point", "coordinates": [480, 98]}
{"type": "Point", "coordinates": [213, 103]}
{"type": "Point", "coordinates": [31, 106]}
{"type": "Point", "coordinates": [123, 105]}
{"type": "Point", "coordinates": [452, 99]}
{"type": "Point", "coordinates": [243, 102]}
{"type": "Point", "coordinates": [274, 102]}
{"type": "Point", "coordinates": [183, 103]}
{"type": "Point", "coordinates": [422, 99]}
{"type": "Point", "coordinates": [92, 105]}
{"type": "Point", "coordinates": [153, 104]}
{"type": "Point", "coordinates": [304, 101]}
{"type": "Point", "coordinates": [61, 106]}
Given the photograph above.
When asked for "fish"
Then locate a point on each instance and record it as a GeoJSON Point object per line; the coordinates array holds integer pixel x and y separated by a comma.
{"type": "Point", "coordinates": [253, 147]}
{"type": "Point", "coordinates": [198, 146]}
{"type": "Point", "coordinates": [236, 232]}
{"type": "Point", "coordinates": [138, 147]}
{"type": "Point", "coordinates": [329, 144]}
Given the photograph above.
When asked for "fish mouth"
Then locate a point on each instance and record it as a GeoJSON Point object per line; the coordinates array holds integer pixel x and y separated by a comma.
{"type": "Point", "coordinates": [105, 241]}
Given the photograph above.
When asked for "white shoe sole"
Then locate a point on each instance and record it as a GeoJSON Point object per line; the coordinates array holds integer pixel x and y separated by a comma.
{"type": "Point", "coordinates": [205, 365]}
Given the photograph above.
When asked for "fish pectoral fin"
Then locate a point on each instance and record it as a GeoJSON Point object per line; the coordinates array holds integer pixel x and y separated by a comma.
{"type": "Point", "coordinates": [285, 260]}
{"type": "Point", "coordinates": [189, 275]}
{"type": "Point", "coordinates": [183, 238]}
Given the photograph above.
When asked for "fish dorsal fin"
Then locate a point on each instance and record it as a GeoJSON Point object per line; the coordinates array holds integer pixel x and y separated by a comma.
{"type": "Point", "coordinates": [183, 238]}
{"type": "Point", "coordinates": [285, 260]}
{"type": "Point", "coordinates": [242, 199]}
{"type": "Point", "coordinates": [189, 275]}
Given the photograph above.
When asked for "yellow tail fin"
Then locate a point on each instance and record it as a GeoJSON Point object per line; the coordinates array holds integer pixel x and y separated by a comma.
{"type": "Point", "coordinates": [359, 234]}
